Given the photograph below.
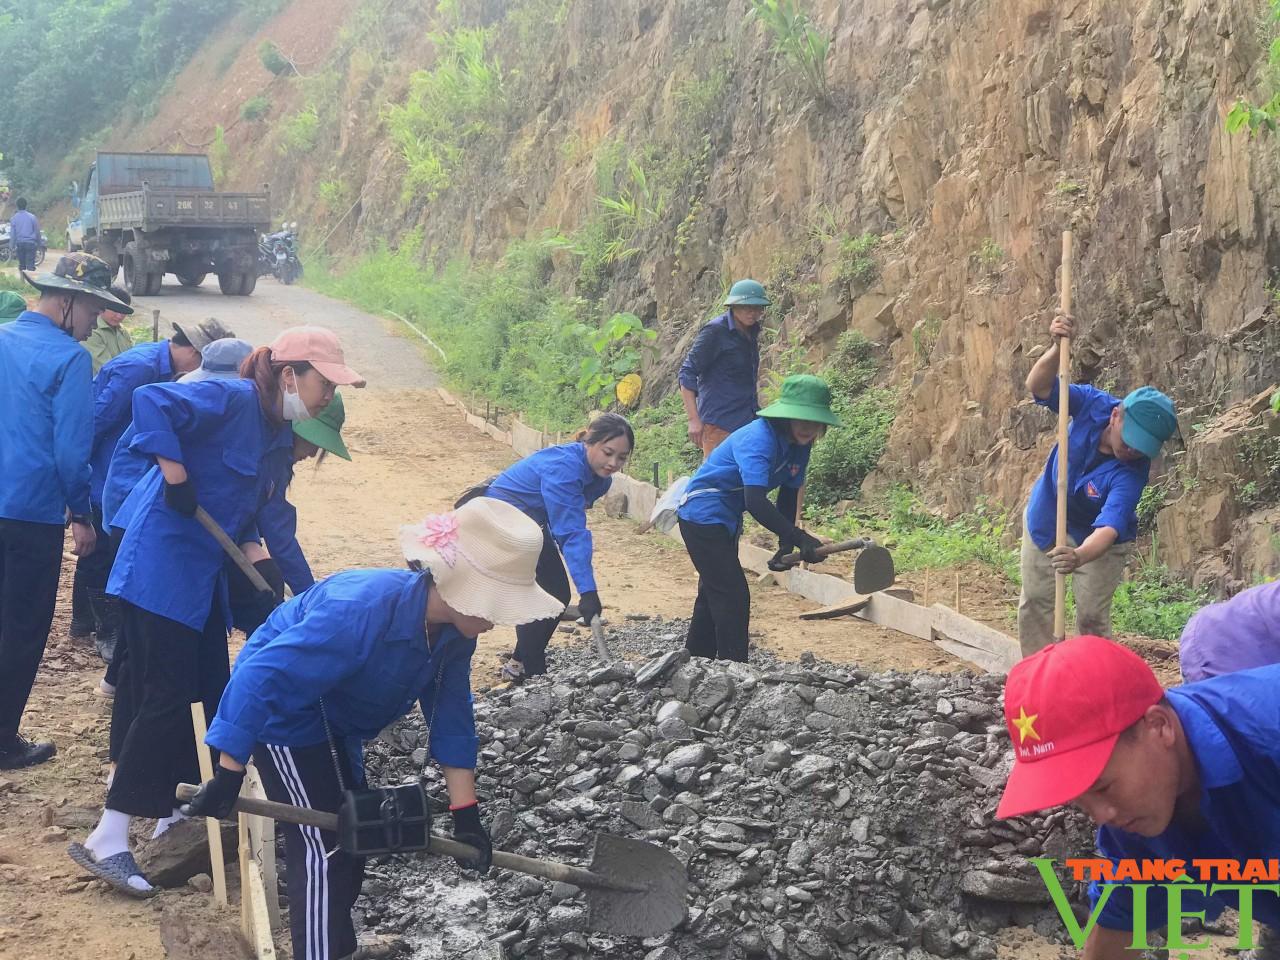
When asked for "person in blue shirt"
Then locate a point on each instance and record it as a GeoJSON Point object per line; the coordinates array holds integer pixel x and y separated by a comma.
{"type": "Point", "coordinates": [334, 666]}
{"type": "Point", "coordinates": [45, 435]}
{"type": "Point", "coordinates": [1191, 773]}
{"type": "Point", "coordinates": [91, 611]}
{"type": "Point", "coordinates": [719, 373]}
{"type": "Point", "coordinates": [24, 234]}
{"type": "Point", "coordinates": [769, 453]}
{"type": "Point", "coordinates": [1110, 446]}
{"type": "Point", "coordinates": [209, 441]}
{"type": "Point", "coordinates": [555, 487]}
{"type": "Point", "coordinates": [281, 560]}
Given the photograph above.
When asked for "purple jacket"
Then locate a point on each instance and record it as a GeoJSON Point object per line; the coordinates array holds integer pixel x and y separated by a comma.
{"type": "Point", "coordinates": [1239, 634]}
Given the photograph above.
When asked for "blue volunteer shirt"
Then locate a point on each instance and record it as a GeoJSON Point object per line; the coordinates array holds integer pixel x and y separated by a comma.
{"type": "Point", "coordinates": [113, 402]}
{"type": "Point", "coordinates": [358, 640]}
{"type": "Point", "coordinates": [722, 368]}
{"type": "Point", "coordinates": [1232, 725]}
{"type": "Point", "coordinates": [167, 563]}
{"type": "Point", "coordinates": [24, 227]}
{"type": "Point", "coordinates": [755, 456]}
{"type": "Point", "coordinates": [277, 521]}
{"type": "Point", "coordinates": [1101, 490]}
{"type": "Point", "coordinates": [46, 421]}
{"type": "Point", "coordinates": [555, 487]}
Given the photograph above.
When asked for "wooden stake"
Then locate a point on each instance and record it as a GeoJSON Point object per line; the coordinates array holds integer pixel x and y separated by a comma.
{"type": "Point", "coordinates": [926, 586]}
{"type": "Point", "coordinates": [800, 518]}
{"type": "Point", "coordinates": [219, 868]}
{"type": "Point", "coordinates": [1064, 413]}
{"type": "Point", "coordinates": [155, 325]}
{"type": "Point", "coordinates": [957, 591]}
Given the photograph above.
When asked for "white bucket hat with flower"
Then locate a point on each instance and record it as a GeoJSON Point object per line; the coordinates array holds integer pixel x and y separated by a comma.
{"type": "Point", "coordinates": [483, 558]}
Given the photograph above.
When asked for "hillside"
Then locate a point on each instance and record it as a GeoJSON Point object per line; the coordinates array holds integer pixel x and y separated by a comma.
{"type": "Point", "coordinates": [639, 155]}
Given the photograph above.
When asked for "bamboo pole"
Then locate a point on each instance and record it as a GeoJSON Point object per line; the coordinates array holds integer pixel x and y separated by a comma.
{"type": "Point", "coordinates": [1064, 415]}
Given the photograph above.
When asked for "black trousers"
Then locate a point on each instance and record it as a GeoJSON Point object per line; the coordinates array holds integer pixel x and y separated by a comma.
{"type": "Point", "coordinates": [722, 611]}
{"type": "Point", "coordinates": [26, 251]}
{"type": "Point", "coordinates": [168, 668]}
{"type": "Point", "coordinates": [323, 881]}
{"type": "Point", "coordinates": [92, 573]}
{"type": "Point", "coordinates": [532, 638]}
{"type": "Point", "coordinates": [30, 561]}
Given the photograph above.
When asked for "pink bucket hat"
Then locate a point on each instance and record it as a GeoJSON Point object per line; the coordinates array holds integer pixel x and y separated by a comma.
{"type": "Point", "coordinates": [318, 347]}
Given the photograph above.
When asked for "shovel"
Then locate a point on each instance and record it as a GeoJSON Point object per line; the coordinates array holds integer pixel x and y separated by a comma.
{"type": "Point", "coordinates": [231, 550]}
{"type": "Point", "coordinates": [634, 889]}
{"type": "Point", "coordinates": [872, 571]}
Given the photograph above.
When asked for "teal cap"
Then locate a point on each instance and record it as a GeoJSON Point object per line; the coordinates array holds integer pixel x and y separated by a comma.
{"type": "Point", "coordinates": [1149, 421]}
{"type": "Point", "coordinates": [747, 293]}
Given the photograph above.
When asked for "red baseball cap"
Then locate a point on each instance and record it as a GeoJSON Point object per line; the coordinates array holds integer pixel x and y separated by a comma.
{"type": "Point", "coordinates": [1065, 707]}
{"type": "Point", "coordinates": [320, 348]}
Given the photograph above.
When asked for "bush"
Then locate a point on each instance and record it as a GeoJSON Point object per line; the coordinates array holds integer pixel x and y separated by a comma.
{"type": "Point", "coordinates": [255, 108]}
{"type": "Point", "coordinates": [273, 59]}
{"type": "Point", "coordinates": [1154, 603]}
{"type": "Point", "coordinates": [803, 47]}
{"type": "Point", "coordinates": [857, 259]}
{"type": "Point", "coordinates": [662, 437]}
{"type": "Point", "coordinates": [299, 132]}
{"type": "Point", "coordinates": [842, 459]}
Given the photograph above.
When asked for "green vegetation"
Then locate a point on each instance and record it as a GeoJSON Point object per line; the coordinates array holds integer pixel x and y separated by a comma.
{"type": "Point", "coordinates": [56, 54]}
{"type": "Point", "coordinates": [924, 337]}
{"type": "Point", "coordinates": [298, 133]}
{"type": "Point", "coordinates": [857, 262]}
{"type": "Point", "coordinates": [1260, 118]}
{"type": "Point", "coordinates": [506, 332]}
{"type": "Point", "coordinates": [219, 155]}
{"type": "Point", "coordinates": [919, 539]}
{"type": "Point", "coordinates": [990, 255]}
{"type": "Point", "coordinates": [803, 48]}
{"type": "Point", "coordinates": [255, 108]}
{"type": "Point", "coordinates": [1068, 188]}
{"type": "Point", "coordinates": [842, 459]}
{"type": "Point", "coordinates": [1154, 603]}
{"type": "Point", "coordinates": [11, 281]}
{"type": "Point", "coordinates": [449, 108]}
{"type": "Point", "coordinates": [662, 437]}
{"type": "Point", "coordinates": [273, 59]}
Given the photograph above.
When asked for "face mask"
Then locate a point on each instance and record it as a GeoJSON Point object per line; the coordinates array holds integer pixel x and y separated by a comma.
{"type": "Point", "coordinates": [295, 411]}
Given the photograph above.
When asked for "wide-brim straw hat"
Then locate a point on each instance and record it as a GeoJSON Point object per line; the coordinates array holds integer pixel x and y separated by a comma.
{"type": "Point", "coordinates": [483, 558]}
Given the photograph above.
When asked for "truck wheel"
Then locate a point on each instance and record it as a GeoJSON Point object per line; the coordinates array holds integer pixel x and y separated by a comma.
{"type": "Point", "coordinates": [191, 279]}
{"type": "Point", "coordinates": [248, 281]}
{"type": "Point", "coordinates": [153, 281]}
{"type": "Point", "coordinates": [71, 247]}
{"type": "Point", "coordinates": [229, 283]}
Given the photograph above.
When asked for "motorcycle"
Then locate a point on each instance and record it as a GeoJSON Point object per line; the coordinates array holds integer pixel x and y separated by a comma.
{"type": "Point", "coordinates": [278, 254]}
{"type": "Point", "coordinates": [9, 252]}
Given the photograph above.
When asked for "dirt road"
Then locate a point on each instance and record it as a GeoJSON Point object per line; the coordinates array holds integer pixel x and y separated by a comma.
{"type": "Point", "coordinates": [412, 455]}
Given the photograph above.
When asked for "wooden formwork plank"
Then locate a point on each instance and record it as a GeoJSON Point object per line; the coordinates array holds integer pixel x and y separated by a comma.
{"type": "Point", "coordinates": [993, 650]}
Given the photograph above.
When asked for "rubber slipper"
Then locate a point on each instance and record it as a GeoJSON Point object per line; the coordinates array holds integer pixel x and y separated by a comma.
{"type": "Point", "coordinates": [115, 870]}
{"type": "Point", "coordinates": [512, 671]}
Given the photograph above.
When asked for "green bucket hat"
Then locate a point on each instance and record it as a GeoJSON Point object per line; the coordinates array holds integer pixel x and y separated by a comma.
{"type": "Point", "coordinates": [80, 273]}
{"type": "Point", "coordinates": [803, 397]}
{"type": "Point", "coordinates": [325, 428]}
{"type": "Point", "coordinates": [747, 293]}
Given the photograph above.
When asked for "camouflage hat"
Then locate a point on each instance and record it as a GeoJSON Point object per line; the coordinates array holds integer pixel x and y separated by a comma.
{"type": "Point", "coordinates": [80, 273]}
{"type": "Point", "coordinates": [201, 334]}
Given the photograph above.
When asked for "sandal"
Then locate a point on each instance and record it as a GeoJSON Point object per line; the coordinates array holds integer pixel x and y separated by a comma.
{"type": "Point", "coordinates": [115, 870]}
{"type": "Point", "coordinates": [512, 671]}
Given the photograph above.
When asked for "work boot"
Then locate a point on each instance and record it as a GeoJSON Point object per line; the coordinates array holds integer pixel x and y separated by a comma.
{"type": "Point", "coordinates": [106, 614]}
{"type": "Point", "coordinates": [82, 622]}
{"type": "Point", "coordinates": [20, 752]}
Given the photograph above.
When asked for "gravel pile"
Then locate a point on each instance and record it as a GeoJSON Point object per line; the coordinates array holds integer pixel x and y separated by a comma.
{"type": "Point", "coordinates": [822, 811]}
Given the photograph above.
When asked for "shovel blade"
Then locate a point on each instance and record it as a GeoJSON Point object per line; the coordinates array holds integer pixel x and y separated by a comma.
{"type": "Point", "coordinates": [873, 570]}
{"type": "Point", "coordinates": [649, 912]}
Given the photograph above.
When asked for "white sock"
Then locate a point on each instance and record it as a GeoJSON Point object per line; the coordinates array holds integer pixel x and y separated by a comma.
{"type": "Point", "coordinates": [111, 836]}
{"type": "Point", "coordinates": [164, 823]}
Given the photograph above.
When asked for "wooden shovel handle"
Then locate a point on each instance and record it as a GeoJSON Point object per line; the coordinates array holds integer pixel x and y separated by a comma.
{"type": "Point", "coordinates": [1064, 415]}
{"type": "Point", "coordinates": [322, 820]}
{"type": "Point", "coordinates": [231, 550]}
{"type": "Point", "coordinates": [828, 549]}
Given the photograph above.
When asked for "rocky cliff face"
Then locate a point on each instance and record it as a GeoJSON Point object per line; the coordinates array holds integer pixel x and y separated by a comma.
{"type": "Point", "coordinates": [966, 135]}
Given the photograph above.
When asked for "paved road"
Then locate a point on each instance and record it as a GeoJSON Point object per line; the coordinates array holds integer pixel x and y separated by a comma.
{"type": "Point", "coordinates": [384, 352]}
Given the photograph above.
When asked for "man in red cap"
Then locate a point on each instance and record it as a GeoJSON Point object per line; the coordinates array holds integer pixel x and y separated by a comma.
{"type": "Point", "coordinates": [1189, 773]}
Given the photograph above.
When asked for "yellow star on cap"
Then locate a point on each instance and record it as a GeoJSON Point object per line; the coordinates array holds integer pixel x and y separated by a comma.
{"type": "Point", "coordinates": [1026, 725]}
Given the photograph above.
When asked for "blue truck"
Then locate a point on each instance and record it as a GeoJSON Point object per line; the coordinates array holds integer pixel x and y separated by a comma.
{"type": "Point", "coordinates": [153, 214]}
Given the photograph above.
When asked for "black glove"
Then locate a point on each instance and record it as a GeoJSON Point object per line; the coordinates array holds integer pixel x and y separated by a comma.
{"type": "Point", "coordinates": [468, 829]}
{"type": "Point", "coordinates": [217, 797]}
{"type": "Point", "coordinates": [808, 545]}
{"type": "Point", "coordinates": [269, 570]}
{"type": "Point", "coordinates": [776, 562]}
{"type": "Point", "coordinates": [589, 606]}
{"type": "Point", "coordinates": [181, 497]}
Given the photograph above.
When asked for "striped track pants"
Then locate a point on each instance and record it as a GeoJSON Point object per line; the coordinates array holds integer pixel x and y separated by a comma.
{"type": "Point", "coordinates": [323, 881]}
